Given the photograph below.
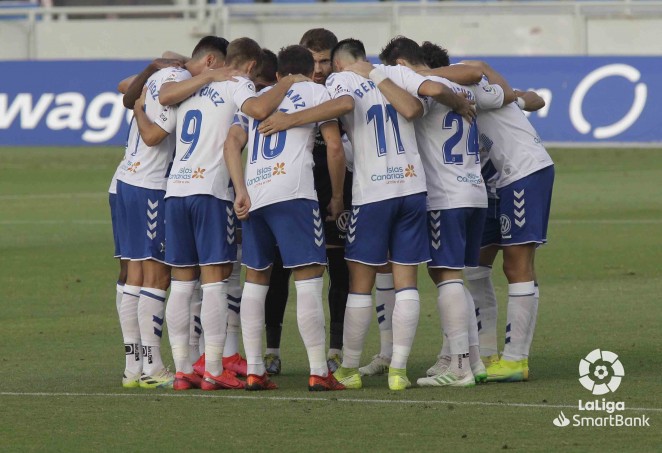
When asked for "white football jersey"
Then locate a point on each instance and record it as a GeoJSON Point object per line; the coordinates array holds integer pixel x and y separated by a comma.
{"type": "Point", "coordinates": [202, 123]}
{"type": "Point", "coordinates": [449, 149]}
{"type": "Point", "coordinates": [489, 173]}
{"type": "Point", "coordinates": [280, 167]}
{"type": "Point", "coordinates": [113, 182]}
{"type": "Point", "coordinates": [513, 145]}
{"type": "Point", "coordinates": [386, 160]}
{"type": "Point", "coordinates": [146, 166]}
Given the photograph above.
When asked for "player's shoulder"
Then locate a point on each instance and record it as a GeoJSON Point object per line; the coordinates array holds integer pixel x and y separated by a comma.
{"type": "Point", "coordinates": [315, 88]}
{"type": "Point", "coordinates": [264, 90]}
{"type": "Point", "coordinates": [398, 71]}
{"type": "Point", "coordinates": [172, 74]}
{"type": "Point", "coordinates": [486, 86]}
{"type": "Point", "coordinates": [338, 77]}
{"type": "Point", "coordinates": [339, 83]}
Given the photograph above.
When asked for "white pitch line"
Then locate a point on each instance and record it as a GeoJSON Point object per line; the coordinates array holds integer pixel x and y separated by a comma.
{"type": "Point", "coordinates": [299, 398]}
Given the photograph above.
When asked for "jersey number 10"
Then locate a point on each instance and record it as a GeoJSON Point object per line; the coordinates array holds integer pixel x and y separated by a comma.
{"type": "Point", "coordinates": [270, 150]}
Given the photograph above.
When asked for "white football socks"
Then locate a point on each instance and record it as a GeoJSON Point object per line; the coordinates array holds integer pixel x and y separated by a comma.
{"type": "Point", "coordinates": [358, 316]}
{"type": "Point", "coordinates": [405, 320]}
{"type": "Point", "coordinates": [234, 307]}
{"type": "Point", "coordinates": [521, 305]}
{"type": "Point", "coordinates": [128, 312]}
{"type": "Point", "coordinates": [453, 313]}
{"type": "Point", "coordinates": [151, 315]}
{"type": "Point", "coordinates": [252, 325]}
{"type": "Point", "coordinates": [195, 324]}
{"type": "Point", "coordinates": [310, 318]}
{"type": "Point", "coordinates": [119, 293]}
{"type": "Point", "coordinates": [479, 282]}
{"type": "Point", "coordinates": [474, 343]}
{"type": "Point", "coordinates": [178, 316]}
{"type": "Point", "coordinates": [385, 303]}
{"type": "Point", "coordinates": [534, 317]}
{"type": "Point", "coordinates": [214, 315]}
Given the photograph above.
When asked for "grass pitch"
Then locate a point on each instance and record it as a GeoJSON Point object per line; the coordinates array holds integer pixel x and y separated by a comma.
{"type": "Point", "coordinates": [61, 354]}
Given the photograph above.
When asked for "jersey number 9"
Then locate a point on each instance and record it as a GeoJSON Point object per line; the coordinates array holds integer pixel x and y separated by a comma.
{"type": "Point", "coordinates": [191, 131]}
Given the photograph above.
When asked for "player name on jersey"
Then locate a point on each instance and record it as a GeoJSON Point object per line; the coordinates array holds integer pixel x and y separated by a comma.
{"type": "Point", "coordinates": [388, 164]}
{"type": "Point", "coordinates": [145, 166]}
{"type": "Point", "coordinates": [202, 123]}
{"type": "Point", "coordinates": [280, 167]}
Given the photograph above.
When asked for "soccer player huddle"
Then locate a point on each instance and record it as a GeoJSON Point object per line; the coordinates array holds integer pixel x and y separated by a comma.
{"type": "Point", "coordinates": [364, 170]}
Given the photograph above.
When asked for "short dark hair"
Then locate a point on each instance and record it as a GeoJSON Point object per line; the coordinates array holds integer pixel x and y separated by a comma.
{"type": "Point", "coordinates": [401, 47]}
{"type": "Point", "coordinates": [435, 56]}
{"type": "Point", "coordinates": [266, 73]}
{"type": "Point", "coordinates": [318, 40]}
{"type": "Point", "coordinates": [352, 46]}
{"type": "Point", "coordinates": [210, 44]}
{"type": "Point", "coordinates": [242, 50]}
{"type": "Point", "coordinates": [295, 60]}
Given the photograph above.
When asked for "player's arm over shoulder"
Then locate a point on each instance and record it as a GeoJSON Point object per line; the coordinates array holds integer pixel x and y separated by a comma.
{"type": "Point", "coordinates": [529, 101]}
{"type": "Point", "coordinates": [459, 73]}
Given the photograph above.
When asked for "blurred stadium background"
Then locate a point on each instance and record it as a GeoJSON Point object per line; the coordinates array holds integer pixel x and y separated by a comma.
{"type": "Point", "coordinates": [596, 63]}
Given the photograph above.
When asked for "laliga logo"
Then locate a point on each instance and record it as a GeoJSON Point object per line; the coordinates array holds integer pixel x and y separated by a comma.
{"type": "Point", "coordinates": [601, 372]}
{"type": "Point", "coordinates": [621, 70]}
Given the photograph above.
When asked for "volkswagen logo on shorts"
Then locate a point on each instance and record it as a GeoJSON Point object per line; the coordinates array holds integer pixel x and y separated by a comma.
{"type": "Point", "coordinates": [505, 224]}
{"type": "Point", "coordinates": [342, 221]}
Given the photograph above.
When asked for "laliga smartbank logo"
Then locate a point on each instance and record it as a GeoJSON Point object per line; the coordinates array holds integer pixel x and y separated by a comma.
{"type": "Point", "coordinates": [600, 372]}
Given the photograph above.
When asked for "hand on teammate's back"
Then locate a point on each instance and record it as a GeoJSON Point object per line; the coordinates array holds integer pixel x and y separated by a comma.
{"type": "Point", "coordinates": [361, 68]}
{"type": "Point", "coordinates": [465, 107]}
{"type": "Point", "coordinates": [278, 121]}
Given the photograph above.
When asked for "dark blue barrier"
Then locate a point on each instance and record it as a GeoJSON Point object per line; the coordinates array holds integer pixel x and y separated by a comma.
{"type": "Point", "coordinates": [589, 99]}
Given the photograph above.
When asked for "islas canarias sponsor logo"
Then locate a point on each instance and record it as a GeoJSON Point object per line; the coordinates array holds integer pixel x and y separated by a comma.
{"type": "Point", "coordinates": [471, 178]}
{"type": "Point", "coordinates": [395, 174]}
{"type": "Point", "coordinates": [262, 175]}
{"type": "Point", "coordinates": [130, 166]}
{"type": "Point", "coordinates": [185, 174]}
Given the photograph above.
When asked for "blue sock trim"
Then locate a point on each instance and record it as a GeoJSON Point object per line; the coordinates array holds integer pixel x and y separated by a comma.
{"type": "Point", "coordinates": [153, 296]}
{"type": "Point", "coordinates": [449, 283]}
{"type": "Point", "coordinates": [407, 289]}
{"type": "Point", "coordinates": [235, 299]}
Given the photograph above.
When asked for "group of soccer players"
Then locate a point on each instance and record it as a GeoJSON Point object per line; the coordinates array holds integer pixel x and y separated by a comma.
{"type": "Point", "coordinates": [365, 170]}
